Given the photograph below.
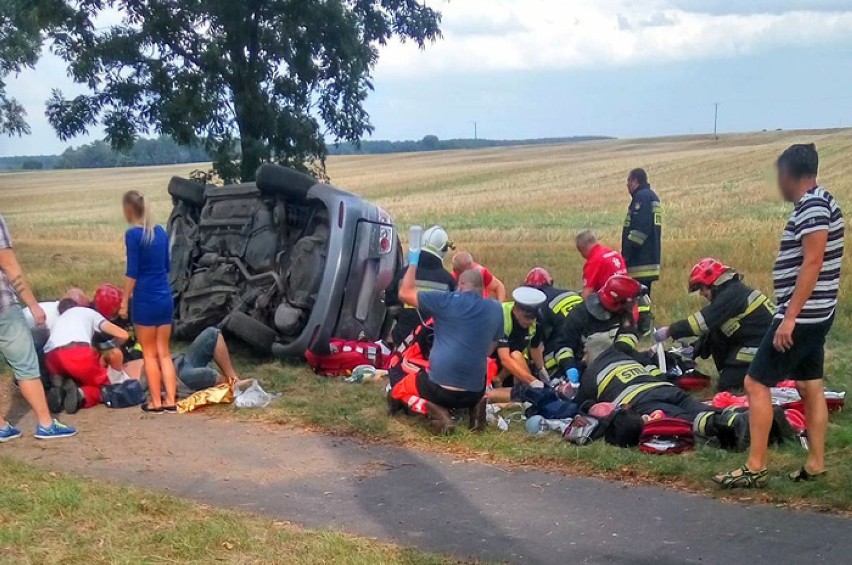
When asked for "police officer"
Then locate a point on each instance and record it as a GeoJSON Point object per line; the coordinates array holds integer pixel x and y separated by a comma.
{"type": "Point", "coordinates": [642, 232]}
{"type": "Point", "coordinates": [430, 275]}
{"type": "Point", "coordinates": [558, 304]}
{"type": "Point", "coordinates": [520, 352]}
{"type": "Point", "coordinates": [731, 326]}
{"type": "Point", "coordinates": [602, 312]}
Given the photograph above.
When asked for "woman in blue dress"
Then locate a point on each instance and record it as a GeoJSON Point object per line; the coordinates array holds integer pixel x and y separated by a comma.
{"type": "Point", "coordinates": [148, 295]}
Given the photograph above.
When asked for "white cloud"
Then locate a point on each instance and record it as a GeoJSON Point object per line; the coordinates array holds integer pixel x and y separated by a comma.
{"type": "Point", "coordinates": [487, 35]}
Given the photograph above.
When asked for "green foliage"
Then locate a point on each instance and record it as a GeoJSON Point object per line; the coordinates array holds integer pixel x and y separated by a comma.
{"type": "Point", "coordinates": [274, 76]}
{"type": "Point", "coordinates": [432, 143]}
{"type": "Point", "coordinates": [160, 151]}
{"type": "Point", "coordinates": [32, 165]}
{"type": "Point", "coordinates": [21, 35]}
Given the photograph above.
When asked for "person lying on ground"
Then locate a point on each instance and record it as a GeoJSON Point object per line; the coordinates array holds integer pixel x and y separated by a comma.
{"type": "Point", "coordinates": [602, 312]}
{"type": "Point", "coordinates": [601, 262]}
{"type": "Point", "coordinates": [194, 364]}
{"type": "Point", "coordinates": [494, 287]}
{"type": "Point", "coordinates": [557, 307]}
{"type": "Point", "coordinates": [51, 308]}
{"type": "Point", "coordinates": [16, 344]}
{"type": "Point", "coordinates": [467, 327]}
{"type": "Point", "coordinates": [520, 351]}
{"type": "Point", "coordinates": [731, 326]}
{"type": "Point", "coordinates": [615, 375]}
{"type": "Point", "coordinates": [430, 275]}
{"type": "Point", "coordinates": [77, 369]}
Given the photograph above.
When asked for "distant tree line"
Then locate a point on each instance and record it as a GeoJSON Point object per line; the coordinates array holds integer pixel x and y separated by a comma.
{"type": "Point", "coordinates": [164, 151]}
{"type": "Point", "coordinates": [432, 143]}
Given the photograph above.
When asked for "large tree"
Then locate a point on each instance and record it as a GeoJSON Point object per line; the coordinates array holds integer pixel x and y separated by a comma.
{"type": "Point", "coordinates": [254, 80]}
{"type": "Point", "coordinates": [22, 26]}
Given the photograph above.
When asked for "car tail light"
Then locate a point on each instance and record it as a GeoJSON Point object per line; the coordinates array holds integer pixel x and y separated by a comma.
{"type": "Point", "coordinates": [385, 240]}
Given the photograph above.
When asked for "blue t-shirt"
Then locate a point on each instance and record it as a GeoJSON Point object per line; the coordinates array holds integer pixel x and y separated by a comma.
{"type": "Point", "coordinates": [148, 262]}
{"type": "Point", "coordinates": [466, 326]}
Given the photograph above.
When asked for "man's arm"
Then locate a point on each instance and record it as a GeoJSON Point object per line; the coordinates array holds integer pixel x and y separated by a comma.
{"type": "Point", "coordinates": [408, 286]}
{"type": "Point", "coordinates": [119, 333]}
{"type": "Point", "coordinates": [497, 289]}
{"type": "Point", "coordinates": [569, 338]}
{"type": "Point", "coordinates": [518, 370]}
{"type": "Point", "coordinates": [537, 356]}
{"type": "Point", "coordinates": [813, 250]}
{"type": "Point", "coordinates": [641, 224]}
{"type": "Point", "coordinates": [708, 319]}
{"type": "Point", "coordinates": [12, 269]}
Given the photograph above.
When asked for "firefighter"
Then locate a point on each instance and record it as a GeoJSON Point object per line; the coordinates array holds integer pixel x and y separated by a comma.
{"type": "Point", "coordinates": [602, 312]}
{"type": "Point", "coordinates": [730, 327]}
{"type": "Point", "coordinates": [601, 262]}
{"type": "Point", "coordinates": [616, 375]}
{"type": "Point", "coordinates": [494, 287]}
{"type": "Point", "coordinates": [430, 275]}
{"type": "Point", "coordinates": [642, 233]}
{"type": "Point", "coordinates": [558, 304]}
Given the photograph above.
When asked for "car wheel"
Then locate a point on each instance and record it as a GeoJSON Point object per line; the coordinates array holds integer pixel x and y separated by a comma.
{"type": "Point", "coordinates": [187, 190]}
{"type": "Point", "coordinates": [287, 183]}
{"type": "Point", "coordinates": [253, 332]}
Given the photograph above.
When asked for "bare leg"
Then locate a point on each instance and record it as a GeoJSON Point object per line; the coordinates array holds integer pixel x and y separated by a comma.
{"type": "Point", "coordinates": [816, 414]}
{"type": "Point", "coordinates": [33, 391]}
{"type": "Point", "coordinates": [134, 368]}
{"type": "Point", "coordinates": [167, 366]}
{"type": "Point", "coordinates": [499, 395]}
{"type": "Point", "coordinates": [222, 357]}
{"type": "Point", "coordinates": [760, 423]}
{"type": "Point", "coordinates": [147, 337]}
{"type": "Point", "coordinates": [115, 359]}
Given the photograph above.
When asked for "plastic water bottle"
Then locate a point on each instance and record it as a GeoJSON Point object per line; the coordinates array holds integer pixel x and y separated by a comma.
{"type": "Point", "coordinates": [415, 232]}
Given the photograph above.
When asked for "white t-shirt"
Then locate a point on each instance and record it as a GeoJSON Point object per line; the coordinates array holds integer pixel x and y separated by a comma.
{"type": "Point", "coordinates": [78, 324]}
{"type": "Point", "coordinates": [51, 312]}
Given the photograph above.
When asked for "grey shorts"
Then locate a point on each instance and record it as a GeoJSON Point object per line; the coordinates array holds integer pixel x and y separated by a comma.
{"type": "Point", "coordinates": [16, 344]}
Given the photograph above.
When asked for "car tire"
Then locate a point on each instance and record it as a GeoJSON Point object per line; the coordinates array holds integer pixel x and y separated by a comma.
{"type": "Point", "coordinates": [187, 190]}
{"type": "Point", "coordinates": [255, 333]}
{"type": "Point", "coordinates": [287, 183]}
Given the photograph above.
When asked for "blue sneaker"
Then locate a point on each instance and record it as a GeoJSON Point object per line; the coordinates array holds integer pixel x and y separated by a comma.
{"type": "Point", "coordinates": [56, 430]}
{"type": "Point", "coordinates": [9, 432]}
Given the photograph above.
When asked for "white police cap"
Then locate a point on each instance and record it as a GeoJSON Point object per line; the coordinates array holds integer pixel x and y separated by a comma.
{"type": "Point", "coordinates": [528, 297]}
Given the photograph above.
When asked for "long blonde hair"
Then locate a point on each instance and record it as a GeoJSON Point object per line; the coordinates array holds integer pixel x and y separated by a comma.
{"type": "Point", "coordinates": [137, 202]}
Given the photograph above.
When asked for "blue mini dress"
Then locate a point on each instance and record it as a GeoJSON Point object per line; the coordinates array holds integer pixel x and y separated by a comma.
{"type": "Point", "coordinates": [152, 303]}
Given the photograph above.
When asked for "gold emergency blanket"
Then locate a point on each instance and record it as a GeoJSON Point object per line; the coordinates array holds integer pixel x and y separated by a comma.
{"type": "Point", "coordinates": [219, 394]}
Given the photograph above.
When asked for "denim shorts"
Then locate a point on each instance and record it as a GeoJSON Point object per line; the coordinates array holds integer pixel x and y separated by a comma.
{"type": "Point", "coordinates": [16, 344]}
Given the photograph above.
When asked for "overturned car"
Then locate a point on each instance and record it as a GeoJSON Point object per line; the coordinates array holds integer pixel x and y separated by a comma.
{"type": "Point", "coordinates": [283, 263]}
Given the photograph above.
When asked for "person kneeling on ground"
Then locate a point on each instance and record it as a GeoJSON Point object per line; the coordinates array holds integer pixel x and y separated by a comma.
{"type": "Point", "coordinates": [467, 327]}
{"type": "Point", "coordinates": [730, 327]}
{"type": "Point", "coordinates": [76, 368]}
{"type": "Point", "coordinates": [615, 375]}
{"type": "Point", "coordinates": [557, 307]}
{"type": "Point", "coordinates": [193, 365]}
{"type": "Point", "coordinates": [520, 351]}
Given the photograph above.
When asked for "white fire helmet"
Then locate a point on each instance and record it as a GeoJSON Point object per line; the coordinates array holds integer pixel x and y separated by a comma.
{"type": "Point", "coordinates": [436, 241]}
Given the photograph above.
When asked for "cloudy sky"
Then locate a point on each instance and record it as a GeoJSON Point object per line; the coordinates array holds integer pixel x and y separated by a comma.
{"type": "Point", "coordinates": [626, 68]}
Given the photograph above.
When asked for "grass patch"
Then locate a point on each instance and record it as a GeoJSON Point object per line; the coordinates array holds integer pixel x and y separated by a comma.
{"type": "Point", "coordinates": [48, 517]}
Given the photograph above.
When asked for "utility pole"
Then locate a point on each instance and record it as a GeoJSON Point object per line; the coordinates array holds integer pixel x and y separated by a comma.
{"type": "Point", "coordinates": [715, 119]}
{"type": "Point", "coordinates": [475, 136]}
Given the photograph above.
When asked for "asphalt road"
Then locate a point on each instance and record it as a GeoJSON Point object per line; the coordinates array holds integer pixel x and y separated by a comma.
{"type": "Point", "coordinates": [437, 503]}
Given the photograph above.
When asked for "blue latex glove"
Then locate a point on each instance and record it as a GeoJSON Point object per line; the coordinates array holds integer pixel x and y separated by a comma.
{"type": "Point", "coordinates": [573, 376]}
{"type": "Point", "coordinates": [661, 334]}
{"type": "Point", "coordinates": [414, 257]}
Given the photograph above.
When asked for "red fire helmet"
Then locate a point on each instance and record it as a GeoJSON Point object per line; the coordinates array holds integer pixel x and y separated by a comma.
{"type": "Point", "coordinates": [619, 292]}
{"type": "Point", "coordinates": [108, 300]}
{"type": "Point", "coordinates": [538, 277]}
{"type": "Point", "coordinates": [706, 272]}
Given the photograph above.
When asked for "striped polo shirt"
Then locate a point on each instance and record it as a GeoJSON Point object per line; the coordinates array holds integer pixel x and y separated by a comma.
{"type": "Point", "coordinates": [816, 211]}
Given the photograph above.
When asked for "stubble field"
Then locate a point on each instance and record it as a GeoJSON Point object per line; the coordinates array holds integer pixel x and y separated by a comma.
{"type": "Point", "coordinates": [513, 208]}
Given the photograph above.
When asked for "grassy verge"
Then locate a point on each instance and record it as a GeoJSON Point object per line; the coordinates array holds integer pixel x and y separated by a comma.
{"type": "Point", "coordinates": [359, 410]}
{"type": "Point", "coordinates": [47, 517]}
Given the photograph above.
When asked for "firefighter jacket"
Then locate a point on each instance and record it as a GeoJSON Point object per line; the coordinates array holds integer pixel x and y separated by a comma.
{"type": "Point", "coordinates": [641, 236]}
{"type": "Point", "coordinates": [585, 319]}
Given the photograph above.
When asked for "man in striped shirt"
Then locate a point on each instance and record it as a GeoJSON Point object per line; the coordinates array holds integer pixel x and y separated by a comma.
{"type": "Point", "coordinates": [806, 277]}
